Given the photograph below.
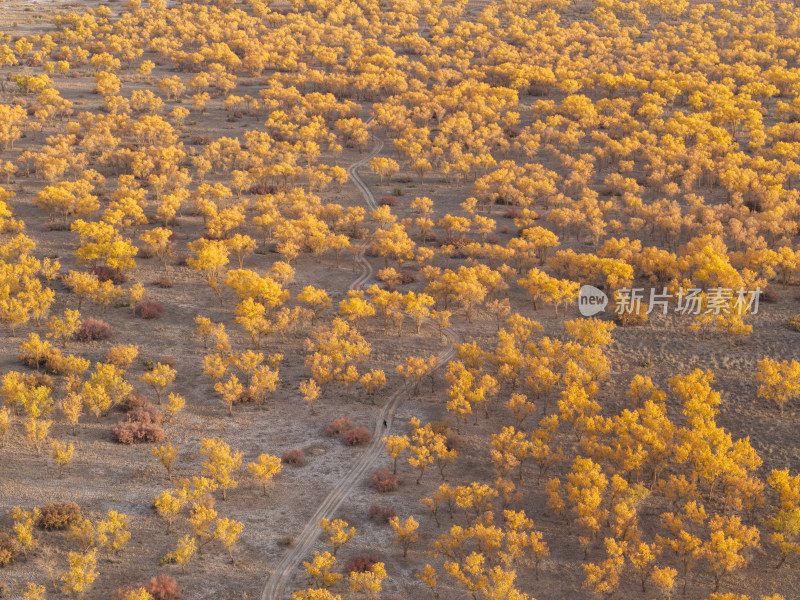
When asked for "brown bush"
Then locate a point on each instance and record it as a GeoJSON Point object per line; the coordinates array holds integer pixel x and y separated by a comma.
{"type": "Point", "coordinates": [58, 515]}
{"type": "Point", "coordinates": [115, 276]}
{"type": "Point", "coordinates": [261, 189]}
{"type": "Point", "coordinates": [164, 587]}
{"type": "Point", "coordinates": [512, 213]}
{"type": "Point", "coordinates": [133, 433]}
{"type": "Point", "coordinates": [360, 563]}
{"type": "Point", "coordinates": [388, 201]}
{"type": "Point", "coordinates": [382, 514]}
{"type": "Point", "coordinates": [339, 426]}
{"type": "Point", "coordinates": [296, 458]}
{"type": "Point", "coordinates": [8, 549]}
{"type": "Point", "coordinates": [163, 282]}
{"type": "Point", "coordinates": [384, 480]}
{"type": "Point", "coordinates": [134, 399]}
{"type": "Point", "coordinates": [148, 415]}
{"type": "Point", "coordinates": [357, 436]}
{"type": "Point", "coordinates": [149, 310]}
{"type": "Point", "coordinates": [92, 330]}
{"type": "Point", "coordinates": [407, 276]}
{"type": "Point", "coordinates": [770, 295]}
{"type": "Point", "coordinates": [201, 140]}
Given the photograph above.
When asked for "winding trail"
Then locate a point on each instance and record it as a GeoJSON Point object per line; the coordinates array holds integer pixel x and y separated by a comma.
{"type": "Point", "coordinates": [286, 568]}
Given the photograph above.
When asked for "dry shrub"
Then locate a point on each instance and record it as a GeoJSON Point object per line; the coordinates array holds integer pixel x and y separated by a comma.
{"type": "Point", "coordinates": [149, 310]}
{"type": "Point", "coordinates": [357, 436]}
{"type": "Point", "coordinates": [384, 480]}
{"type": "Point", "coordinates": [296, 458]}
{"type": "Point", "coordinates": [93, 330]}
{"type": "Point", "coordinates": [407, 276]}
{"type": "Point", "coordinates": [388, 201]}
{"type": "Point", "coordinates": [164, 587]}
{"type": "Point", "coordinates": [512, 213]}
{"type": "Point", "coordinates": [163, 282]}
{"type": "Point", "coordinates": [770, 295]}
{"type": "Point", "coordinates": [360, 563]}
{"type": "Point", "coordinates": [134, 399]}
{"type": "Point", "coordinates": [201, 140]}
{"type": "Point", "coordinates": [382, 514]}
{"type": "Point", "coordinates": [133, 433]}
{"type": "Point", "coordinates": [145, 253]}
{"type": "Point", "coordinates": [794, 322]}
{"type": "Point", "coordinates": [115, 276]}
{"type": "Point", "coordinates": [58, 515]}
{"type": "Point", "coordinates": [339, 426]}
{"type": "Point", "coordinates": [147, 415]}
{"type": "Point", "coordinates": [8, 548]}
{"type": "Point", "coordinates": [261, 189]}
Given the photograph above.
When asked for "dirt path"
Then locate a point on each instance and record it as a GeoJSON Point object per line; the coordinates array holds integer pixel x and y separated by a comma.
{"type": "Point", "coordinates": [286, 568]}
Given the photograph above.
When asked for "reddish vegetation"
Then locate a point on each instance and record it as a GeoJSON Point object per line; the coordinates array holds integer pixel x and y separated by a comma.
{"type": "Point", "coordinates": [92, 330]}
{"type": "Point", "coordinates": [357, 437]}
{"type": "Point", "coordinates": [296, 458]}
{"type": "Point", "coordinates": [384, 480]}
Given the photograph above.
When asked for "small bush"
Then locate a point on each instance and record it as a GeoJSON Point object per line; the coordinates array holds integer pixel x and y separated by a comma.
{"type": "Point", "coordinates": [163, 282]}
{"type": "Point", "coordinates": [164, 587]}
{"type": "Point", "coordinates": [93, 330]}
{"type": "Point", "coordinates": [149, 310]}
{"type": "Point", "coordinates": [512, 213]}
{"type": "Point", "coordinates": [388, 201]}
{"type": "Point", "coordinates": [794, 322]}
{"type": "Point", "coordinates": [382, 514]}
{"type": "Point", "coordinates": [339, 426]}
{"type": "Point", "coordinates": [384, 480]}
{"type": "Point", "coordinates": [8, 548]}
{"type": "Point", "coordinates": [147, 415]}
{"type": "Point", "coordinates": [115, 276]}
{"type": "Point", "coordinates": [360, 563]}
{"type": "Point", "coordinates": [201, 140]}
{"type": "Point", "coordinates": [770, 295]}
{"type": "Point", "coordinates": [180, 259]}
{"type": "Point", "coordinates": [133, 433]}
{"type": "Point", "coordinates": [145, 253]}
{"type": "Point", "coordinates": [357, 436]}
{"type": "Point", "coordinates": [134, 400]}
{"type": "Point", "coordinates": [407, 276]}
{"type": "Point", "coordinates": [261, 189]}
{"type": "Point", "coordinates": [397, 191]}
{"type": "Point", "coordinates": [58, 515]}
{"type": "Point", "coordinates": [296, 458]}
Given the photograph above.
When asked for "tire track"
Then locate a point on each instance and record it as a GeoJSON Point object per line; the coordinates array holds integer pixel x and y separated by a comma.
{"type": "Point", "coordinates": [275, 588]}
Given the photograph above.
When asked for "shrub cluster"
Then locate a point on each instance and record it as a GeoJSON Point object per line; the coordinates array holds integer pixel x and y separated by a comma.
{"type": "Point", "coordinates": [149, 310]}
{"type": "Point", "coordinates": [163, 587]}
{"type": "Point", "coordinates": [357, 436]}
{"type": "Point", "coordinates": [339, 426]}
{"type": "Point", "coordinates": [8, 548]}
{"type": "Point", "coordinates": [296, 458]}
{"type": "Point", "coordinates": [381, 514]}
{"type": "Point", "coordinates": [360, 563]}
{"type": "Point", "coordinates": [143, 425]}
{"type": "Point", "coordinates": [93, 330]}
{"type": "Point", "coordinates": [384, 480]}
{"type": "Point", "coordinates": [115, 276]}
{"type": "Point", "coordinates": [58, 515]}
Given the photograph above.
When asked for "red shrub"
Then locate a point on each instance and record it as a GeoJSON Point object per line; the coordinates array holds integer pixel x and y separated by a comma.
{"type": "Point", "coordinates": [149, 310]}
{"type": "Point", "coordinates": [132, 433]}
{"type": "Point", "coordinates": [147, 415]}
{"type": "Point", "coordinates": [388, 201]}
{"type": "Point", "coordinates": [133, 400]}
{"type": "Point", "coordinates": [339, 426]}
{"type": "Point", "coordinates": [384, 480]}
{"type": "Point", "coordinates": [93, 330]}
{"type": "Point", "coordinates": [261, 189]}
{"type": "Point", "coordinates": [295, 458]}
{"type": "Point", "coordinates": [382, 514]}
{"type": "Point", "coordinates": [512, 213]}
{"type": "Point", "coordinates": [164, 587]}
{"type": "Point", "coordinates": [360, 563]}
{"type": "Point", "coordinates": [108, 274]}
{"type": "Point", "coordinates": [357, 436]}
